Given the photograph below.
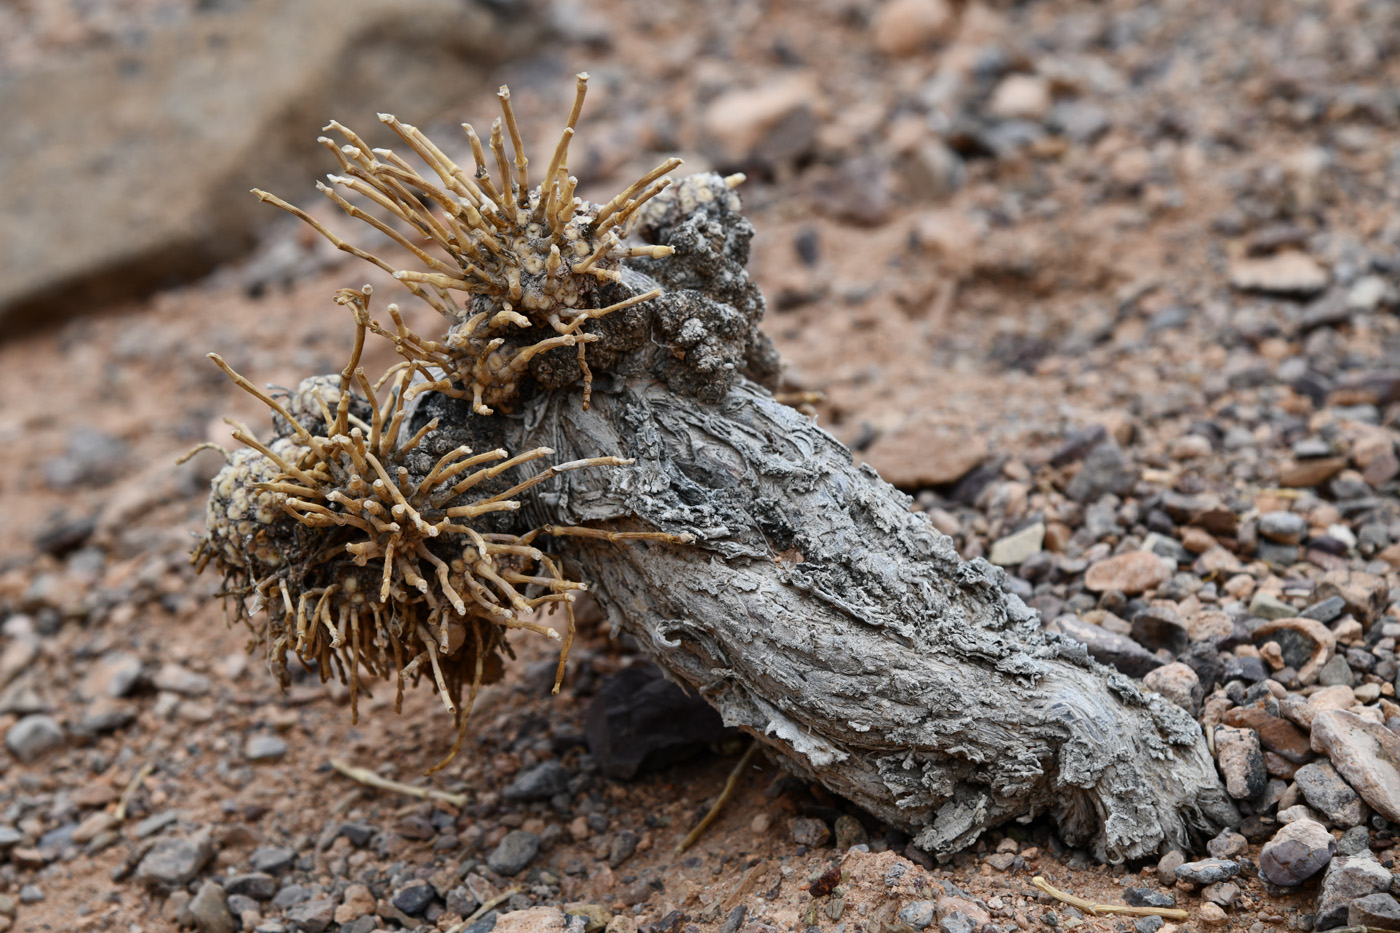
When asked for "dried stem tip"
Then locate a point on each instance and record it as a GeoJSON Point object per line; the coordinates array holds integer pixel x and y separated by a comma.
{"type": "Point", "coordinates": [368, 553]}
{"type": "Point", "coordinates": [529, 265]}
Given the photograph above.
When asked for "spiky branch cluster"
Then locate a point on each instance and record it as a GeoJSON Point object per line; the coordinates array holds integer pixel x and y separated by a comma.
{"type": "Point", "coordinates": [359, 562]}
{"type": "Point", "coordinates": [359, 545]}
{"type": "Point", "coordinates": [530, 261]}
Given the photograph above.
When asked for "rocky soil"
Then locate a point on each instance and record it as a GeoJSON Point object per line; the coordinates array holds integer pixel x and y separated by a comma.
{"type": "Point", "coordinates": [1109, 288]}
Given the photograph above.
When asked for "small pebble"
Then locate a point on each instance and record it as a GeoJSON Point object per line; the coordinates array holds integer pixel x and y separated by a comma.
{"type": "Point", "coordinates": [263, 747]}
{"type": "Point", "coordinates": [1207, 871]}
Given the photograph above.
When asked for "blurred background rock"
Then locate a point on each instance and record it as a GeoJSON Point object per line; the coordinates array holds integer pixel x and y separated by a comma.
{"type": "Point", "coordinates": [133, 130]}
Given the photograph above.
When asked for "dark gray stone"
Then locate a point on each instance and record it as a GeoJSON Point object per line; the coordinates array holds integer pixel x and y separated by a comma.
{"type": "Point", "coordinates": [1250, 670]}
{"type": "Point", "coordinates": [957, 922]}
{"type": "Point", "coordinates": [621, 847]}
{"type": "Point", "coordinates": [63, 533]}
{"type": "Point", "coordinates": [359, 834]}
{"type": "Point", "coordinates": [1297, 646]}
{"type": "Point", "coordinates": [1148, 924]}
{"type": "Point", "coordinates": [1297, 852]}
{"type": "Point", "coordinates": [263, 747]}
{"type": "Point", "coordinates": [918, 914]}
{"type": "Point", "coordinates": [1158, 627]}
{"type": "Point", "coordinates": [1326, 610]}
{"type": "Point", "coordinates": [417, 827]}
{"type": "Point", "coordinates": [461, 902]}
{"type": "Point", "coordinates": [1082, 121]}
{"type": "Point", "coordinates": [1283, 527]}
{"type": "Point", "coordinates": [272, 859]}
{"type": "Point", "coordinates": [485, 925]}
{"type": "Point", "coordinates": [1348, 879]}
{"type": "Point", "coordinates": [1146, 897]}
{"type": "Point", "coordinates": [1106, 469]}
{"type": "Point", "coordinates": [1325, 791]}
{"type": "Point", "coordinates": [1335, 673]}
{"type": "Point", "coordinates": [414, 898]}
{"type": "Point", "coordinates": [257, 885]}
{"type": "Point", "coordinates": [366, 924]}
{"type": "Point", "coordinates": [514, 853]}
{"type": "Point", "coordinates": [1354, 841]}
{"type": "Point", "coordinates": [57, 839]}
{"type": "Point", "coordinates": [1207, 871]}
{"type": "Point", "coordinates": [1116, 651]}
{"type": "Point", "coordinates": [155, 823]}
{"type": "Point", "coordinates": [1280, 555]}
{"type": "Point", "coordinates": [810, 832]}
{"type": "Point", "coordinates": [92, 458]}
{"type": "Point", "coordinates": [1241, 760]}
{"type": "Point", "coordinates": [541, 782]}
{"type": "Point", "coordinates": [209, 910]}
{"type": "Point", "coordinates": [640, 719]}
{"type": "Point", "coordinates": [33, 737]}
{"type": "Point", "coordinates": [175, 861]}
{"type": "Point", "coordinates": [239, 904]}
{"type": "Point", "coordinates": [290, 896]}
{"type": "Point", "coordinates": [1378, 911]}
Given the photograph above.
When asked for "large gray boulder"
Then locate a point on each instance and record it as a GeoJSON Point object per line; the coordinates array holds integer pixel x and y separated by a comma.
{"type": "Point", "coordinates": [127, 168]}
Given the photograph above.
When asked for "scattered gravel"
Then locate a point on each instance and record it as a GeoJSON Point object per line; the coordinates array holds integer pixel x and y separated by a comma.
{"type": "Point", "coordinates": [1146, 321]}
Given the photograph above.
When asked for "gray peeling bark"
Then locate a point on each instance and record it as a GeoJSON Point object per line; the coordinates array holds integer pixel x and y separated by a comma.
{"type": "Point", "coordinates": [815, 611]}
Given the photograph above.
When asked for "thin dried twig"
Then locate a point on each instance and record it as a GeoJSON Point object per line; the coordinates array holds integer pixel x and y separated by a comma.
{"type": "Point", "coordinates": [481, 911]}
{"type": "Point", "coordinates": [369, 778]}
{"type": "Point", "coordinates": [538, 255]}
{"type": "Point", "coordinates": [130, 790]}
{"type": "Point", "coordinates": [729, 787]}
{"type": "Point", "coordinates": [1098, 910]}
{"type": "Point", "coordinates": [383, 564]}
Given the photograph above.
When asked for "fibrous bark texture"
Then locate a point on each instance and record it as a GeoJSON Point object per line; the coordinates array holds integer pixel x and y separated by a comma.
{"type": "Point", "coordinates": [817, 613]}
{"type": "Point", "coordinates": [821, 615]}
{"type": "Point", "coordinates": [809, 605]}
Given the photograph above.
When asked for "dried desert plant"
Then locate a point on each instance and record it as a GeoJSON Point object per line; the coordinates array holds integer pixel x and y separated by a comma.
{"type": "Point", "coordinates": [363, 551]}
{"type": "Point", "coordinates": [534, 264]}
{"type": "Point", "coordinates": [816, 611]}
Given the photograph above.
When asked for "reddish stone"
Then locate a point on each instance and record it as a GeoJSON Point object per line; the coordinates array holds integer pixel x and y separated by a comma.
{"type": "Point", "coordinates": [1131, 573]}
{"type": "Point", "coordinates": [1312, 472]}
{"type": "Point", "coordinates": [1277, 735]}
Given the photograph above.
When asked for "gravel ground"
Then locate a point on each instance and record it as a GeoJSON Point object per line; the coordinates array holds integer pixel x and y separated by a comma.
{"type": "Point", "coordinates": [1109, 288]}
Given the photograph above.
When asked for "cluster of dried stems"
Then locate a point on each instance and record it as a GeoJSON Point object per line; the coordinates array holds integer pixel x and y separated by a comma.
{"type": "Point", "coordinates": [530, 261]}
{"type": "Point", "coordinates": [356, 562]}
